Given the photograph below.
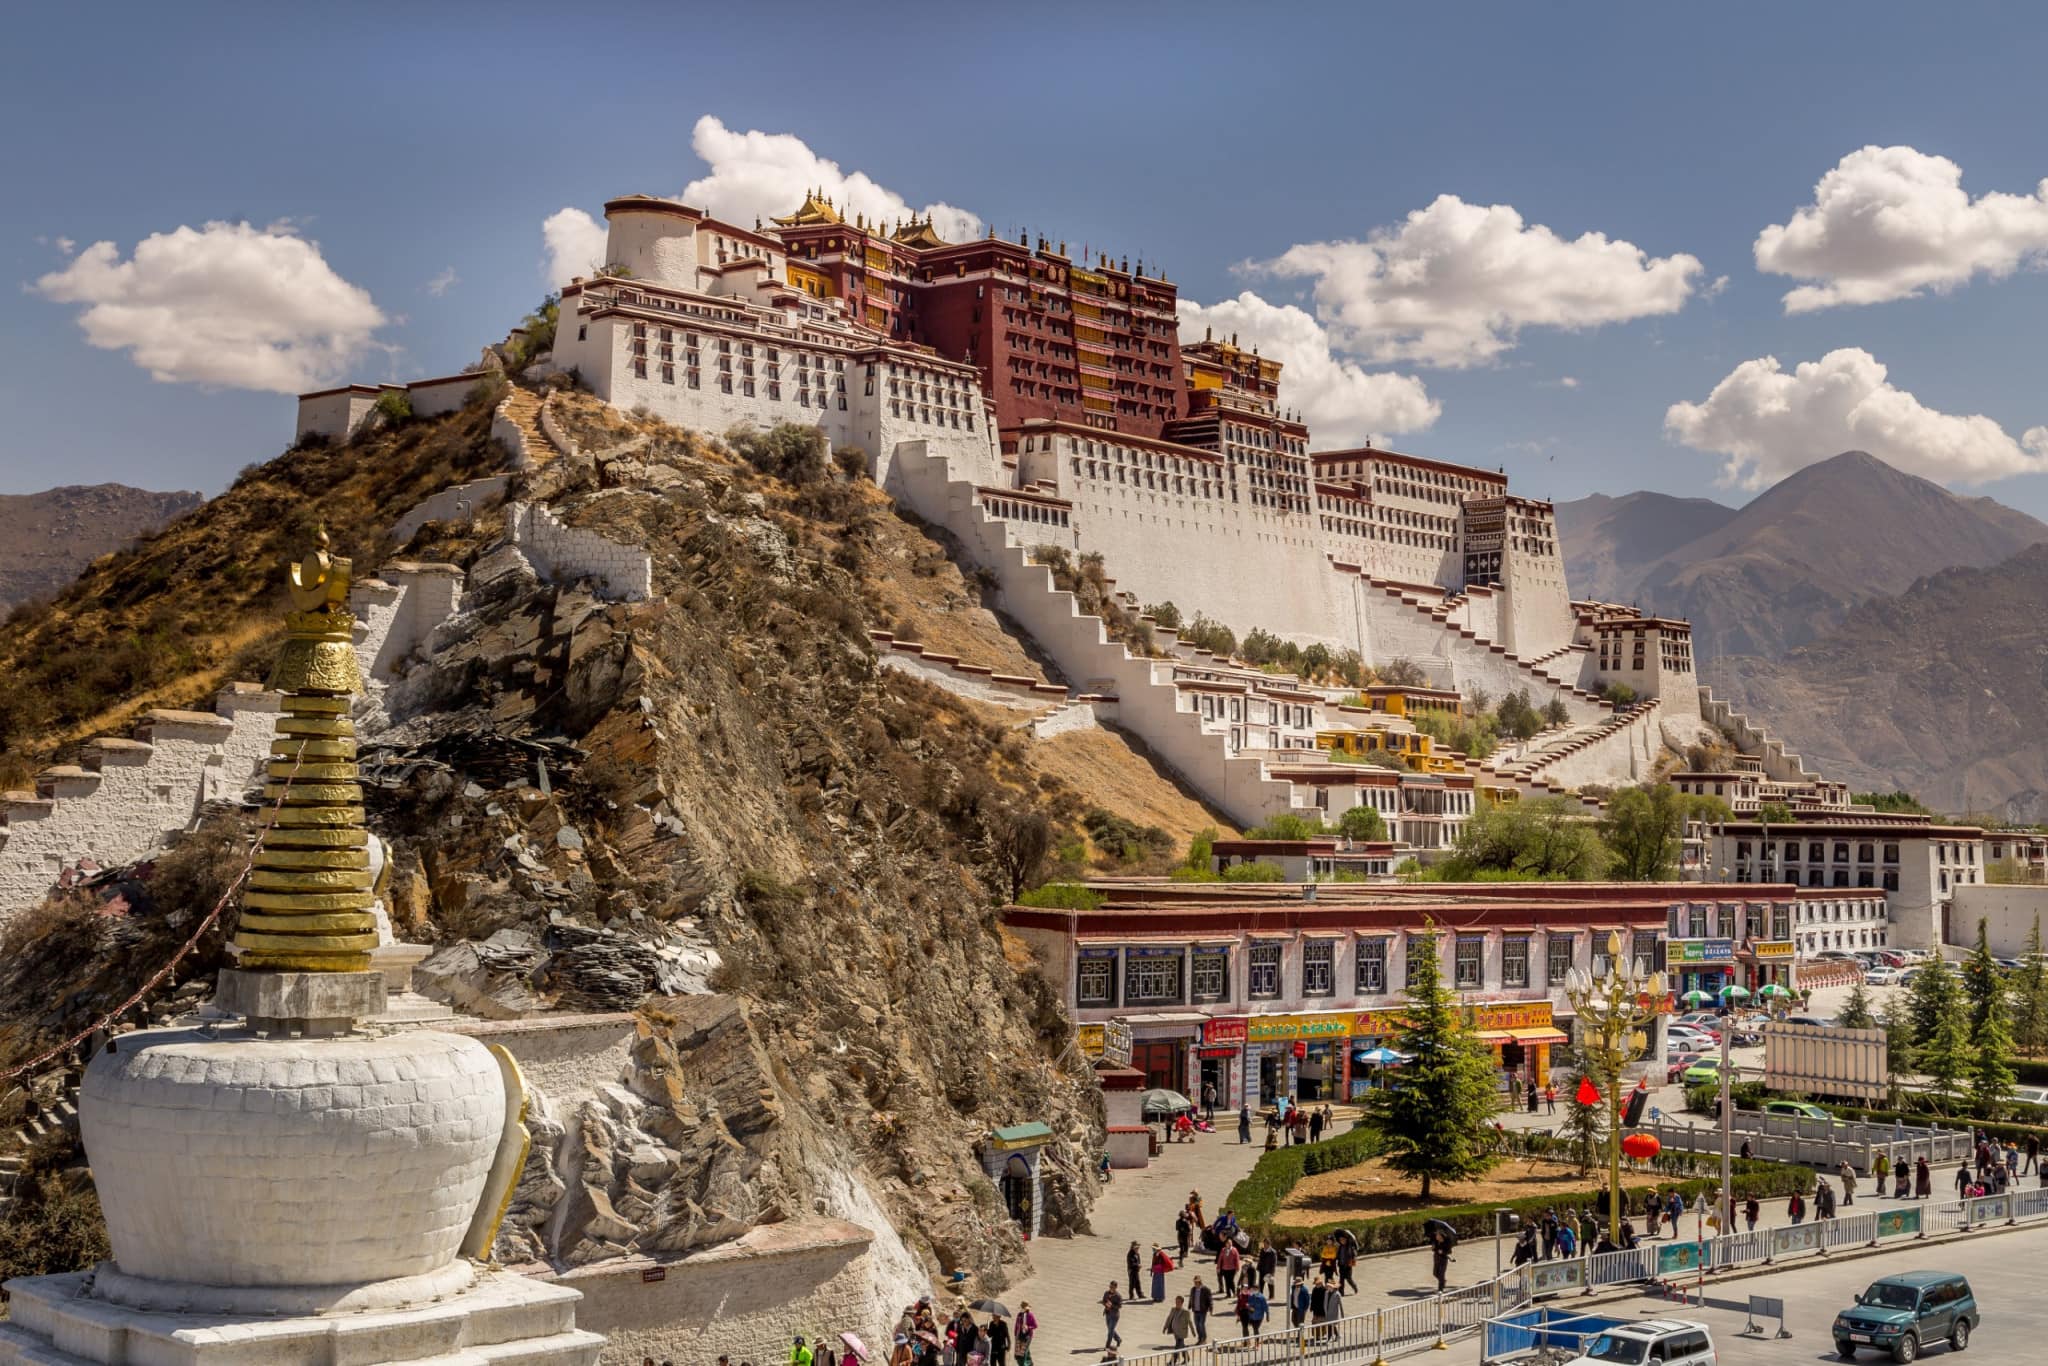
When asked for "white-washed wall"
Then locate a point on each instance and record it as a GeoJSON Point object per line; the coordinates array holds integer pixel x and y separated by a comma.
{"type": "Point", "coordinates": [456, 503]}
{"type": "Point", "coordinates": [565, 554]}
{"type": "Point", "coordinates": [335, 415]}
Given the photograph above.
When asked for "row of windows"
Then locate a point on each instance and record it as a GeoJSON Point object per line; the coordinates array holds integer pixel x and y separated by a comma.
{"type": "Point", "coordinates": [1201, 974]}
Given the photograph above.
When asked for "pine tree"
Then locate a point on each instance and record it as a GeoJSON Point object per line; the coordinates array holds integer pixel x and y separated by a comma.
{"type": "Point", "coordinates": [1982, 980]}
{"type": "Point", "coordinates": [1436, 1122]}
{"type": "Point", "coordinates": [1991, 1074]}
{"type": "Point", "coordinates": [1945, 1056]}
{"type": "Point", "coordinates": [1584, 1131]}
{"type": "Point", "coordinates": [1933, 986]}
{"type": "Point", "coordinates": [1856, 1011]}
{"type": "Point", "coordinates": [2030, 1017]}
{"type": "Point", "coordinates": [1898, 1030]}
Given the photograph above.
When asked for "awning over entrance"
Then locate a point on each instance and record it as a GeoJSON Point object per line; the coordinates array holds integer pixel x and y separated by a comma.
{"type": "Point", "coordinates": [1494, 1035]}
{"type": "Point", "coordinates": [1540, 1036]}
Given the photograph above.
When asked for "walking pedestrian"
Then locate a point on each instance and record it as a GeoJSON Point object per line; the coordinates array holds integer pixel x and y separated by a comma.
{"type": "Point", "coordinates": [1347, 1260]}
{"type": "Point", "coordinates": [1525, 1246]}
{"type": "Point", "coordinates": [1674, 1210]}
{"type": "Point", "coordinates": [1848, 1182]}
{"type": "Point", "coordinates": [1183, 1233]}
{"type": "Point", "coordinates": [1201, 1300]}
{"type": "Point", "coordinates": [1535, 1097]}
{"type": "Point", "coordinates": [1025, 1329]}
{"type": "Point", "coordinates": [1333, 1309]}
{"type": "Point", "coordinates": [1923, 1179]}
{"type": "Point", "coordinates": [1179, 1323]}
{"type": "Point", "coordinates": [1440, 1244]}
{"type": "Point", "coordinates": [1257, 1307]}
{"type": "Point", "coordinates": [1315, 1127]}
{"type": "Point", "coordinates": [1112, 1309]}
{"type": "Point", "coordinates": [1161, 1264]}
{"type": "Point", "coordinates": [1751, 1211]}
{"type": "Point", "coordinates": [1244, 1312]}
{"type": "Point", "coordinates": [1227, 1262]}
{"type": "Point", "coordinates": [799, 1355]}
{"type": "Point", "coordinates": [1268, 1263]}
{"type": "Point", "coordinates": [1133, 1263]}
{"type": "Point", "coordinates": [1795, 1208]}
{"type": "Point", "coordinates": [1823, 1199]}
{"type": "Point", "coordinates": [1550, 1100]}
{"type": "Point", "coordinates": [1244, 1123]}
{"type": "Point", "coordinates": [1963, 1181]}
{"type": "Point", "coordinates": [1653, 1209]}
{"type": "Point", "coordinates": [1299, 1302]}
{"type": "Point", "coordinates": [1209, 1101]}
{"type": "Point", "coordinates": [2033, 1154]}
{"type": "Point", "coordinates": [1318, 1300]}
{"type": "Point", "coordinates": [1880, 1167]}
{"type": "Point", "coordinates": [998, 1339]}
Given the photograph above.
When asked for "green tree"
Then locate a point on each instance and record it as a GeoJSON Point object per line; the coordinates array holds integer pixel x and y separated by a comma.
{"type": "Point", "coordinates": [1362, 823]}
{"type": "Point", "coordinates": [2030, 991]}
{"type": "Point", "coordinates": [1891, 801]}
{"type": "Point", "coordinates": [1945, 1055]}
{"type": "Point", "coordinates": [1934, 986]}
{"type": "Point", "coordinates": [1436, 1124]}
{"type": "Point", "coordinates": [1201, 850]}
{"type": "Point", "coordinates": [1897, 1021]}
{"type": "Point", "coordinates": [1166, 614]}
{"type": "Point", "coordinates": [1405, 673]}
{"type": "Point", "coordinates": [1254, 871]}
{"type": "Point", "coordinates": [1287, 826]}
{"type": "Point", "coordinates": [1546, 838]}
{"type": "Point", "coordinates": [1991, 1074]}
{"type": "Point", "coordinates": [1856, 1012]}
{"type": "Point", "coordinates": [1555, 713]}
{"type": "Point", "coordinates": [1642, 828]}
{"type": "Point", "coordinates": [1983, 981]}
{"type": "Point", "coordinates": [1774, 813]}
{"type": "Point", "coordinates": [1064, 896]}
{"type": "Point", "coordinates": [1584, 1132]}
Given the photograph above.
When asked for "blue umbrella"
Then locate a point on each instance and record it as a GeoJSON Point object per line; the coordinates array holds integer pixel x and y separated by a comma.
{"type": "Point", "coordinates": [1382, 1056]}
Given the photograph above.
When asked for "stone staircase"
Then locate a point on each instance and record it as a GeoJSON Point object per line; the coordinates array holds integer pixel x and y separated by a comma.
{"type": "Point", "coordinates": [1780, 764]}
{"type": "Point", "coordinates": [519, 423]}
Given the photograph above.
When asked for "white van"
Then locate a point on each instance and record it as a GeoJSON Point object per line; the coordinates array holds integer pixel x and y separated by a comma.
{"type": "Point", "coordinates": [1665, 1342]}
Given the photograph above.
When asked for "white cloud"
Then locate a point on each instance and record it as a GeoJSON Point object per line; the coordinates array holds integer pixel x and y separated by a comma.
{"type": "Point", "coordinates": [756, 174]}
{"type": "Point", "coordinates": [1455, 283]}
{"type": "Point", "coordinates": [227, 304]}
{"type": "Point", "coordinates": [1568, 382]}
{"type": "Point", "coordinates": [1342, 403]}
{"type": "Point", "coordinates": [443, 282]}
{"type": "Point", "coordinates": [1893, 222]}
{"type": "Point", "coordinates": [576, 245]}
{"type": "Point", "coordinates": [1770, 424]}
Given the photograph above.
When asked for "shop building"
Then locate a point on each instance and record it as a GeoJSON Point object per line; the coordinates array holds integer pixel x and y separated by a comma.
{"type": "Point", "coordinates": [1265, 990]}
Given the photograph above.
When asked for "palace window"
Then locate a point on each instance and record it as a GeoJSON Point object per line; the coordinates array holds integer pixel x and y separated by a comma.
{"type": "Point", "coordinates": [1319, 967]}
{"type": "Point", "coordinates": [1263, 977]}
{"type": "Point", "coordinates": [1095, 981]}
{"type": "Point", "coordinates": [1210, 974]}
{"type": "Point", "coordinates": [1152, 977]}
{"type": "Point", "coordinates": [1644, 943]}
{"type": "Point", "coordinates": [1372, 967]}
{"type": "Point", "coordinates": [1514, 961]}
{"type": "Point", "coordinates": [1471, 962]}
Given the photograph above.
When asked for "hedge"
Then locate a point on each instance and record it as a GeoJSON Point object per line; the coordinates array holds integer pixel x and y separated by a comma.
{"type": "Point", "coordinates": [1393, 1232]}
{"type": "Point", "coordinates": [1256, 1199]}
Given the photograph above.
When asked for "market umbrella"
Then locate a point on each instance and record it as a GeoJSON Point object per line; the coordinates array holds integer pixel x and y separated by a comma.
{"type": "Point", "coordinates": [1771, 991]}
{"type": "Point", "coordinates": [1734, 993]}
{"type": "Point", "coordinates": [996, 1307]}
{"type": "Point", "coordinates": [1697, 998]}
{"type": "Point", "coordinates": [1160, 1101]}
{"type": "Point", "coordinates": [1379, 1058]}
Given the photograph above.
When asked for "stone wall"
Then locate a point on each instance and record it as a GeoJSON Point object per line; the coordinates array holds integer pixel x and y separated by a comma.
{"type": "Point", "coordinates": [564, 1057]}
{"type": "Point", "coordinates": [456, 503]}
{"type": "Point", "coordinates": [564, 554]}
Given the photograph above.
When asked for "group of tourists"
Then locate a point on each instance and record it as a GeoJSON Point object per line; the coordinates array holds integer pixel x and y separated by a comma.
{"type": "Point", "coordinates": [921, 1340]}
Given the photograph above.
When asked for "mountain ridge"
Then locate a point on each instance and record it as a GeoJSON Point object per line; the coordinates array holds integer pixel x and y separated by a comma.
{"type": "Point", "coordinates": [48, 538]}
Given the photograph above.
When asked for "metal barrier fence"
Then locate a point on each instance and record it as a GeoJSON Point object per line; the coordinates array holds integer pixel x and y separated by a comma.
{"type": "Point", "coordinates": [1417, 1324]}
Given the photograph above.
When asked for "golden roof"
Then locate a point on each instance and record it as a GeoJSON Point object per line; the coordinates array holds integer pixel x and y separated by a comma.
{"type": "Point", "coordinates": [918, 233]}
{"type": "Point", "coordinates": [815, 209]}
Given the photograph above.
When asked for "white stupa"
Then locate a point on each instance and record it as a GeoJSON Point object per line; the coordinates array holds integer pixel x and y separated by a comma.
{"type": "Point", "coordinates": [292, 1187]}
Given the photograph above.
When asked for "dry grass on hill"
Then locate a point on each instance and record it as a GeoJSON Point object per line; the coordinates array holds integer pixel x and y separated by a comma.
{"type": "Point", "coordinates": [1107, 769]}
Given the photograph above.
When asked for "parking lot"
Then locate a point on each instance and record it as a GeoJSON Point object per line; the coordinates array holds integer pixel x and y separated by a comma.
{"type": "Point", "coordinates": [2004, 1271]}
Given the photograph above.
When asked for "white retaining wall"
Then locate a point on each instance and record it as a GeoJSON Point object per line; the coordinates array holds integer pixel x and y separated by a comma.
{"type": "Point", "coordinates": [565, 554]}
{"type": "Point", "coordinates": [456, 503]}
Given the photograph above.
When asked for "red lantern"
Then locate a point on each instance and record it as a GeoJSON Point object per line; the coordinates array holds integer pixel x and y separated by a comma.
{"type": "Point", "coordinates": [1589, 1094]}
{"type": "Point", "coordinates": [1641, 1147]}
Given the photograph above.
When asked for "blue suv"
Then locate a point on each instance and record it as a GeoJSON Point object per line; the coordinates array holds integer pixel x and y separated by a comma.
{"type": "Point", "coordinates": [1901, 1314]}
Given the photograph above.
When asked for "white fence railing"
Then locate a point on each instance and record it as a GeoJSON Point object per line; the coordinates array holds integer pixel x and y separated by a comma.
{"type": "Point", "coordinates": [1422, 1323]}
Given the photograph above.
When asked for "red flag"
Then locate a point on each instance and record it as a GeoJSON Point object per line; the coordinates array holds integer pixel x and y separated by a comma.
{"type": "Point", "coordinates": [1589, 1094]}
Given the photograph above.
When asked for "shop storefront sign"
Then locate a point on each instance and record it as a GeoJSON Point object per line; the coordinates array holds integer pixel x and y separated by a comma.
{"type": "Point", "coordinates": [1280, 1028]}
{"type": "Point", "coordinates": [1110, 1043]}
{"type": "Point", "coordinates": [1088, 1038]}
{"type": "Point", "coordinates": [1227, 1051]}
{"type": "Point", "coordinates": [1222, 1031]}
{"type": "Point", "coordinates": [1699, 951]}
{"type": "Point", "coordinates": [1772, 948]}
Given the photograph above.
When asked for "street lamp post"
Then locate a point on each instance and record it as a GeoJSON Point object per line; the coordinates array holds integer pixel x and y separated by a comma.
{"type": "Point", "coordinates": [1609, 1009]}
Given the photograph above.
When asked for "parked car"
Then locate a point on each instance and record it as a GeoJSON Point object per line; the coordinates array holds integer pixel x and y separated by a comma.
{"type": "Point", "coordinates": [1893, 958]}
{"type": "Point", "coordinates": [1833, 953]}
{"type": "Point", "coordinates": [1799, 1109]}
{"type": "Point", "coordinates": [1808, 1020]}
{"type": "Point", "coordinates": [1678, 1066]}
{"type": "Point", "coordinates": [1881, 976]}
{"type": "Point", "coordinates": [1902, 1314]}
{"type": "Point", "coordinates": [1674, 1342]}
{"type": "Point", "coordinates": [1704, 1020]}
{"type": "Point", "coordinates": [1690, 1041]}
{"type": "Point", "coordinates": [1705, 1072]}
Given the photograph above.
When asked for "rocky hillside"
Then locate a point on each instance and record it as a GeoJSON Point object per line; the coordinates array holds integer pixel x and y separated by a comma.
{"type": "Point", "coordinates": [714, 806]}
{"type": "Point", "coordinates": [47, 538]}
{"type": "Point", "coordinates": [1787, 567]}
{"type": "Point", "coordinates": [1941, 690]}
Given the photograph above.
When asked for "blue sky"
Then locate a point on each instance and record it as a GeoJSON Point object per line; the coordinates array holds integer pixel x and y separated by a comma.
{"type": "Point", "coordinates": [374, 151]}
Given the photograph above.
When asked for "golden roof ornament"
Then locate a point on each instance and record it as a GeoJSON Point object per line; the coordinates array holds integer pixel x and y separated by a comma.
{"type": "Point", "coordinates": [307, 907]}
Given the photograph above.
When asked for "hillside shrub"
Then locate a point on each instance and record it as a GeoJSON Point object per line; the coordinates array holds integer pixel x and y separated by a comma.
{"type": "Point", "coordinates": [1062, 896]}
{"type": "Point", "coordinates": [394, 405]}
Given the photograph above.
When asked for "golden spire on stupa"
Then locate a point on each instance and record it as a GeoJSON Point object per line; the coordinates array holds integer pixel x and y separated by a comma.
{"type": "Point", "coordinates": [307, 908]}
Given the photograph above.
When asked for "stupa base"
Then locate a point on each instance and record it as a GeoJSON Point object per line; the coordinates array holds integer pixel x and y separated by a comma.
{"type": "Point", "coordinates": [502, 1318]}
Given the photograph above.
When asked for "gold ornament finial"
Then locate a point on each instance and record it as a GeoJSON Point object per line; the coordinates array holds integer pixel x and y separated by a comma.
{"type": "Point", "coordinates": [307, 908]}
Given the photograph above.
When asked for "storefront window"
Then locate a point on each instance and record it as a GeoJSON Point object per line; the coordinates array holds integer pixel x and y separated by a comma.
{"type": "Point", "coordinates": [1372, 967]}
{"type": "Point", "coordinates": [1152, 977]}
{"type": "Point", "coordinates": [1560, 950]}
{"type": "Point", "coordinates": [1210, 975]}
{"type": "Point", "coordinates": [1263, 979]}
{"type": "Point", "coordinates": [1514, 961]}
{"type": "Point", "coordinates": [1471, 961]}
{"type": "Point", "coordinates": [1095, 981]}
{"type": "Point", "coordinates": [1319, 967]}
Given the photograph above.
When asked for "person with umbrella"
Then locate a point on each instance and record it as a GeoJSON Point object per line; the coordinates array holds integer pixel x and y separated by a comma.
{"type": "Point", "coordinates": [996, 1338]}
{"type": "Point", "coordinates": [1442, 1238]}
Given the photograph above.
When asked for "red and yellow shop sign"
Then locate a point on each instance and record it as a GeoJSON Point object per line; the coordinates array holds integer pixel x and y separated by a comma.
{"type": "Point", "coordinates": [1227, 1030]}
{"type": "Point", "coordinates": [1771, 948]}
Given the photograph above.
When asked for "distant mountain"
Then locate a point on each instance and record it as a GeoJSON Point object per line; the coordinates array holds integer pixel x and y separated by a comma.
{"type": "Point", "coordinates": [1941, 690]}
{"type": "Point", "coordinates": [47, 538]}
{"type": "Point", "coordinates": [1786, 568]}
